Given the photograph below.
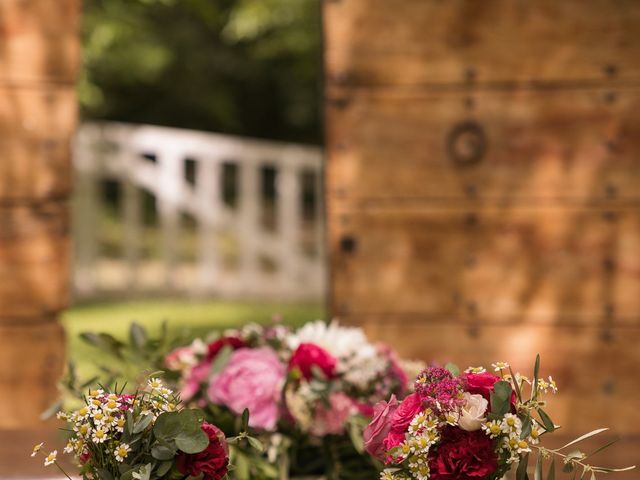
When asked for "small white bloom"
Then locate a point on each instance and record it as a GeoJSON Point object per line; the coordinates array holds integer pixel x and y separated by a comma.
{"type": "Point", "coordinates": [492, 428]}
{"type": "Point", "coordinates": [99, 435]}
{"type": "Point", "coordinates": [51, 458]}
{"type": "Point", "coordinates": [500, 366]}
{"type": "Point", "coordinates": [155, 383]}
{"type": "Point", "coordinates": [36, 449]}
{"type": "Point", "coordinates": [472, 413]}
{"type": "Point", "coordinates": [121, 452]}
{"type": "Point", "coordinates": [511, 424]}
{"type": "Point", "coordinates": [552, 385]}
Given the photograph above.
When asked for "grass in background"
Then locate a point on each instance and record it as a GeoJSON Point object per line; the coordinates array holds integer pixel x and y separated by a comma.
{"type": "Point", "coordinates": [189, 318]}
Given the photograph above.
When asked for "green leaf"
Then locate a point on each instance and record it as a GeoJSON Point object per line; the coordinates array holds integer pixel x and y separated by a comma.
{"type": "Point", "coordinates": [104, 342]}
{"type": "Point", "coordinates": [256, 444]}
{"type": "Point", "coordinates": [161, 452]}
{"type": "Point", "coordinates": [551, 475]}
{"type": "Point", "coordinates": [536, 373]}
{"type": "Point", "coordinates": [501, 398]}
{"type": "Point", "coordinates": [603, 447]}
{"type": "Point", "coordinates": [568, 467]}
{"type": "Point", "coordinates": [52, 410]}
{"type": "Point", "coordinates": [192, 442]}
{"type": "Point", "coordinates": [546, 421]}
{"type": "Point", "coordinates": [521, 471]}
{"type": "Point", "coordinates": [526, 427]}
{"type": "Point", "coordinates": [537, 475]}
{"type": "Point", "coordinates": [168, 425]}
{"type": "Point", "coordinates": [355, 433]}
{"type": "Point", "coordinates": [584, 437]}
{"type": "Point", "coordinates": [142, 423]}
{"type": "Point", "coordinates": [164, 468]}
{"type": "Point", "coordinates": [516, 385]}
{"type": "Point", "coordinates": [138, 336]}
{"type": "Point", "coordinates": [453, 369]}
{"type": "Point", "coordinates": [143, 473]}
{"type": "Point", "coordinates": [245, 419]}
{"type": "Point", "coordinates": [221, 360]}
{"type": "Point", "coordinates": [104, 474]}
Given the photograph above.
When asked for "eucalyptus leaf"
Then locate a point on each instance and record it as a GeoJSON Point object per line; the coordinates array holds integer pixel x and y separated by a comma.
{"type": "Point", "coordinates": [143, 423]}
{"type": "Point", "coordinates": [256, 444]}
{"type": "Point", "coordinates": [161, 452]}
{"type": "Point", "coordinates": [526, 427]}
{"type": "Point", "coordinates": [164, 468]}
{"type": "Point", "coordinates": [221, 360]}
{"type": "Point", "coordinates": [192, 442]}
{"type": "Point", "coordinates": [501, 398]}
{"type": "Point", "coordinates": [104, 474]}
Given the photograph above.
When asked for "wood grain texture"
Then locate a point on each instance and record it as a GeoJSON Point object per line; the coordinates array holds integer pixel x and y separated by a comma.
{"type": "Point", "coordinates": [39, 41]}
{"type": "Point", "coordinates": [34, 261]}
{"type": "Point", "coordinates": [36, 128]}
{"type": "Point", "coordinates": [492, 42]}
{"type": "Point", "coordinates": [577, 146]}
{"type": "Point", "coordinates": [494, 265]}
{"type": "Point", "coordinates": [592, 374]}
{"type": "Point", "coordinates": [31, 360]}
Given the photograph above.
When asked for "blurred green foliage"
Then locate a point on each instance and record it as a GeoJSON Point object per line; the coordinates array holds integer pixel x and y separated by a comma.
{"type": "Point", "coordinates": [247, 67]}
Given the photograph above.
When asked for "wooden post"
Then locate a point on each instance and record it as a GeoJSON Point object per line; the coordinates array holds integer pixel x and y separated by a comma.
{"type": "Point", "coordinates": [38, 62]}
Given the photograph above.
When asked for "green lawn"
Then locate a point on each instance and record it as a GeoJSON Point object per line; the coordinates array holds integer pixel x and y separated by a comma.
{"type": "Point", "coordinates": [183, 317]}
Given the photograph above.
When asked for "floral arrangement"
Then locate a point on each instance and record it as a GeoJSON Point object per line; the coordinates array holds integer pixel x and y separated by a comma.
{"type": "Point", "coordinates": [308, 388]}
{"type": "Point", "coordinates": [143, 436]}
{"type": "Point", "coordinates": [470, 426]}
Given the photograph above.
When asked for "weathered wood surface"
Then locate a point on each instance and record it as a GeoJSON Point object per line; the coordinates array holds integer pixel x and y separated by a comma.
{"type": "Point", "coordinates": [34, 261]}
{"type": "Point", "coordinates": [38, 41]}
{"type": "Point", "coordinates": [494, 264]}
{"type": "Point", "coordinates": [493, 42]}
{"type": "Point", "coordinates": [483, 188]}
{"type": "Point", "coordinates": [576, 146]}
{"type": "Point", "coordinates": [36, 126]}
{"type": "Point", "coordinates": [31, 359]}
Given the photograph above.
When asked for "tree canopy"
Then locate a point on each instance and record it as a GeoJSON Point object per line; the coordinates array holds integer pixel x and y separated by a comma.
{"type": "Point", "coordinates": [247, 67]}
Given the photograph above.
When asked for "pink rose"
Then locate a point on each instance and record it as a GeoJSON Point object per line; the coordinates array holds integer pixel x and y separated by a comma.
{"type": "Point", "coordinates": [330, 420]}
{"type": "Point", "coordinates": [391, 441]}
{"type": "Point", "coordinates": [405, 412]}
{"type": "Point", "coordinates": [179, 358]}
{"type": "Point", "coordinates": [252, 379]}
{"type": "Point", "coordinates": [308, 355]}
{"type": "Point", "coordinates": [396, 371]}
{"type": "Point", "coordinates": [378, 429]}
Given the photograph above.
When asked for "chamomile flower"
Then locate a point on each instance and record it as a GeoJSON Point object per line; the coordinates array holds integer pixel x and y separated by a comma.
{"type": "Point", "coordinates": [81, 414]}
{"type": "Point", "coordinates": [99, 435]}
{"type": "Point", "coordinates": [83, 429]}
{"type": "Point", "coordinates": [492, 428]}
{"type": "Point", "coordinates": [98, 416]}
{"type": "Point", "coordinates": [119, 424]}
{"type": "Point", "coordinates": [475, 370]}
{"type": "Point", "coordinates": [155, 383]}
{"type": "Point", "coordinates": [121, 452]}
{"type": "Point", "coordinates": [62, 416]}
{"type": "Point", "coordinates": [552, 385]}
{"type": "Point", "coordinates": [36, 449]}
{"type": "Point", "coordinates": [51, 458]}
{"type": "Point", "coordinates": [451, 418]}
{"type": "Point", "coordinates": [511, 424]}
{"type": "Point", "coordinates": [499, 366]}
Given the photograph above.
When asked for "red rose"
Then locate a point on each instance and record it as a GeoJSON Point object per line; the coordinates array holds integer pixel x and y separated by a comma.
{"type": "Point", "coordinates": [482, 384]}
{"type": "Point", "coordinates": [214, 347]}
{"type": "Point", "coordinates": [408, 409]}
{"type": "Point", "coordinates": [308, 355]}
{"type": "Point", "coordinates": [375, 433]}
{"type": "Point", "coordinates": [463, 455]}
{"type": "Point", "coordinates": [212, 462]}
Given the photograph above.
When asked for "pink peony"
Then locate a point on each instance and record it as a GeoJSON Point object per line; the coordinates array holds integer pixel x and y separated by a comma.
{"type": "Point", "coordinates": [331, 420]}
{"type": "Point", "coordinates": [308, 355]}
{"type": "Point", "coordinates": [252, 379]}
{"type": "Point", "coordinates": [194, 379]}
{"type": "Point", "coordinates": [378, 429]}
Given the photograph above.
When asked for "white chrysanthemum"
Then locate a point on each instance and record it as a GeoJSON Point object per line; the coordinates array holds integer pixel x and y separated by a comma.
{"type": "Point", "coordinates": [492, 428]}
{"type": "Point", "coordinates": [119, 424]}
{"type": "Point", "coordinates": [511, 424]}
{"type": "Point", "coordinates": [500, 366]}
{"type": "Point", "coordinates": [358, 360]}
{"type": "Point", "coordinates": [36, 449]}
{"type": "Point", "coordinates": [99, 435]}
{"type": "Point", "coordinates": [475, 370]}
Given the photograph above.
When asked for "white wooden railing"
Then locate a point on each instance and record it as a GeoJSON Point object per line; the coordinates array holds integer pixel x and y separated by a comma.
{"type": "Point", "coordinates": [265, 240]}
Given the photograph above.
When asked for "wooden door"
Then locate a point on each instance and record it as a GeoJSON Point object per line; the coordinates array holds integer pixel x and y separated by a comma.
{"type": "Point", "coordinates": [483, 188]}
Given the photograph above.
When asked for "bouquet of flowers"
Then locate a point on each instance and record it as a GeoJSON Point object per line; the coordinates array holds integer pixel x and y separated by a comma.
{"type": "Point", "coordinates": [309, 389]}
{"type": "Point", "coordinates": [143, 436]}
{"type": "Point", "coordinates": [471, 425]}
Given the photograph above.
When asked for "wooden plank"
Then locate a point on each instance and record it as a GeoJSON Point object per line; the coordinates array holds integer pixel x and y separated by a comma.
{"type": "Point", "coordinates": [36, 126]}
{"type": "Point", "coordinates": [34, 259]}
{"type": "Point", "coordinates": [31, 361]}
{"type": "Point", "coordinates": [39, 41]}
{"type": "Point", "coordinates": [492, 264]}
{"type": "Point", "coordinates": [540, 147]}
{"type": "Point", "coordinates": [592, 374]}
{"type": "Point", "coordinates": [503, 42]}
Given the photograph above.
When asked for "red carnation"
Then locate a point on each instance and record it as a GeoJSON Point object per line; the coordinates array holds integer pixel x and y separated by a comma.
{"type": "Point", "coordinates": [212, 462]}
{"type": "Point", "coordinates": [308, 355]}
{"type": "Point", "coordinates": [463, 455]}
{"type": "Point", "coordinates": [214, 347]}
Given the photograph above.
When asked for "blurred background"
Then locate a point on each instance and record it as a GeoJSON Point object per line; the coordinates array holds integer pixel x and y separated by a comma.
{"type": "Point", "coordinates": [459, 178]}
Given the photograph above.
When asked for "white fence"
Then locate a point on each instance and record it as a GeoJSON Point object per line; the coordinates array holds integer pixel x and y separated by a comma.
{"type": "Point", "coordinates": [170, 211]}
